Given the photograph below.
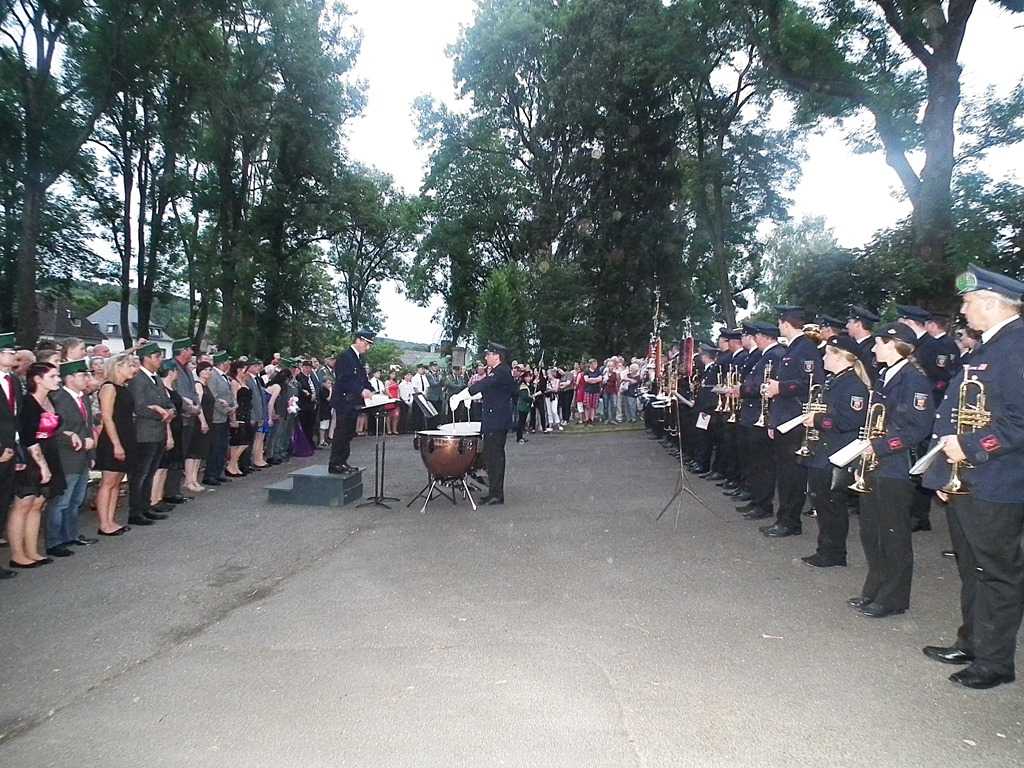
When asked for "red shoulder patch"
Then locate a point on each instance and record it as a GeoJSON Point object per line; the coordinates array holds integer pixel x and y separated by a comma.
{"type": "Point", "coordinates": [990, 443]}
{"type": "Point", "coordinates": [826, 423]}
{"type": "Point", "coordinates": [895, 444]}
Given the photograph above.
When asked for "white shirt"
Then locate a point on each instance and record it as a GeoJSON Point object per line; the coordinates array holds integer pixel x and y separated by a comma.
{"type": "Point", "coordinates": [986, 337]}
{"type": "Point", "coordinates": [76, 395]}
{"type": "Point", "coordinates": [405, 390]}
{"type": "Point", "coordinates": [419, 381]}
{"type": "Point", "coordinates": [892, 370]}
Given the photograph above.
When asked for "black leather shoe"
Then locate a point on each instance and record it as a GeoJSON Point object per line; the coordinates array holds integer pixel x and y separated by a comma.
{"type": "Point", "coordinates": [733, 493]}
{"type": "Point", "coordinates": [139, 520]}
{"type": "Point", "coordinates": [744, 495]}
{"type": "Point", "coordinates": [154, 514]}
{"type": "Point", "coordinates": [980, 679]}
{"type": "Point", "coordinates": [496, 501]}
{"type": "Point", "coordinates": [879, 611]}
{"type": "Point", "coordinates": [119, 532]}
{"type": "Point", "coordinates": [948, 654]}
{"type": "Point", "coordinates": [59, 552]}
{"type": "Point", "coordinates": [175, 499]}
{"type": "Point", "coordinates": [22, 566]}
{"type": "Point", "coordinates": [781, 531]}
{"type": "Point", "coordinates": [922, 525]}
{"type": "Point", "coordinates": [5, 574]}
{"type": "Point", "coordinates": [715, 477]}
{"type": "Point", "coordinates": [757, 514]}
{"type": "Point", "coordinates": [83, 541]}
{"type": "Point", "coordinates": [336, 469]}
{"type": "Point", "coordinates": [858, 602]}
{"type": "Point", "coordinates": [745, 508]}
{"type": "Point", "coordinates": [817, 561]}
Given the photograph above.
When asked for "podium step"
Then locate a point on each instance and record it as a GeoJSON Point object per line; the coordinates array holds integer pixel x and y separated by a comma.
{"type": "Point", "coordinates": [316, 487]}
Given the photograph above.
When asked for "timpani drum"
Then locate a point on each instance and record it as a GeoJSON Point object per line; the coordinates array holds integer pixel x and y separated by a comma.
{"type": "Point", "coordinates": [445, 455]}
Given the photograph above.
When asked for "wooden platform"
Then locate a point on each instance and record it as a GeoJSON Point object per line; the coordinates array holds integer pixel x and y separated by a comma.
{"type": "Point", "coordinates": [316, 487]}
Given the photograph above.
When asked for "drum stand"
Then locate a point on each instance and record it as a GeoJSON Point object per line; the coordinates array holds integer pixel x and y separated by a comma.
{"type": "Point", "coordinates": [435, 487]}
{"type": "Point", "coordinates": [379, 455]}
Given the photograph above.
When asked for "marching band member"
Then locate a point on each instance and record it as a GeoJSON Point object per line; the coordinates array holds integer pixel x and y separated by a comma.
{"type": "Point", "coordinates": [905, 393]}
{"type": "Point", "coordinates": [752, 415]}
{"type": "Point", "coordinates": [987, 524]}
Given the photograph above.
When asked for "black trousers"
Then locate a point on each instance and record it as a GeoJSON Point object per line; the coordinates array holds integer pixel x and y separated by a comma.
{"type": "Point", "coordinates": [702, 444]}
{"type": "Point", "coordinates": [762, 470]}
{"type": "Point", "coordinates": [494, 460]}
{"type": "Point", "coordinates": [172, 487]}
{"type": "Point", "coordinates": [521, 424]}
{"type": "Point", "coordinates": [987, 538]}
{"type": "Point", "coordinates": [833, 517]}
{"type": "Point", "coordinates": [743, 455]}
{"type": "Point", "coordinates": [730, 450]}
{"type": "Point", "coordinates": [717, 434]}
{"type": "Point", "coordinates": [6, 489]}
{"type": "Point", "coordinates": [791, 477]}
{"type": "Point", "coordinates": [218, 456]}
{"type": "Point", "coordinates": [344, 430]}
{"type": "Point", "coordinates": [309, 423]}
{"type": "Point", "coordinates": [885, 534]}
{"type": "Point", "coordinates": [146, 461]}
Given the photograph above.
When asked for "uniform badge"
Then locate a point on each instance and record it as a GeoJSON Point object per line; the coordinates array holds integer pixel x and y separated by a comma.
{"type": "Point", "coordinates": [941, 360]}
{"type": "Point", "coordinates": [921, 401]}
{"type": "Point", "coordinates": [857, 403]}
{"type": "Point", "coordinates": [990, 443]}
{"type": "Point", "coordinates": [808, 366]}
{"type": "Point", "coordinates": [895, 444]}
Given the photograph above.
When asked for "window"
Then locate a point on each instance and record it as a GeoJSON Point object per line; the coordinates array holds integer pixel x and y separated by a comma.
{"type": "Point", "coordinates": [76, 322]}
{"type": "Point", "coordinates": [111, 329]}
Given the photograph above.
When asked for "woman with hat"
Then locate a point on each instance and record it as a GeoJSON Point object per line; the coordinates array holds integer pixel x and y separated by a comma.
{"type": "Point", "coordinates": [905, 392]}
{"type": "Point", "coordinates": [40, 477]}
{"type": "Point", "coordinates": [845, 396]}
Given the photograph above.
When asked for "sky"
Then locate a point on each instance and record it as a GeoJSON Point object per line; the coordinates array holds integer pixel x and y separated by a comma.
{"type": "Point", "coordinates": [404, 56]}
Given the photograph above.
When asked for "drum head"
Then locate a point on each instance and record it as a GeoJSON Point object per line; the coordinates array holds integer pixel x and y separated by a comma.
{"type": "Point", "coordinates": [461, 428]}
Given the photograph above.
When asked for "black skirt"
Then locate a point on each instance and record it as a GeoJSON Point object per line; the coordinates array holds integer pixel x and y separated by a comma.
{"type": "Point", "coordinates": [27, 482]}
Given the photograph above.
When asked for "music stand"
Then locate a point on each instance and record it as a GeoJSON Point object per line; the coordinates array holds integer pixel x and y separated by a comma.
{"type": "Point", "coordinates": [426, 408]}
{"type": "Point", "coordinates": [379, 457]}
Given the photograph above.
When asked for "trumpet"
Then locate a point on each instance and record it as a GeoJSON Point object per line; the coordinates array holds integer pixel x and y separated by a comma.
{"type": "Point", "coordinates": [722, 405]}
{"type": "Point", "coordinates": [762, 419]}
{"type": "Point", "coordinates": [967, 417]}
{"type": "Point", "coordinates": [814, 404]}
{"type": "Point", "coordinates": [874, 427]}
{"type": "Point", "coordinates": [733, 400]}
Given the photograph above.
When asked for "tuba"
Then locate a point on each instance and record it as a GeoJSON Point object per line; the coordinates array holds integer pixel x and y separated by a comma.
{"type": "Point", "coordinates": [762, 420]}
{"type": "Point", "coordinates": [874, 427]}
{"type": "Point", "coordinates": [814, 404]}
{"type": "Point", "coordinates": [967, 417]}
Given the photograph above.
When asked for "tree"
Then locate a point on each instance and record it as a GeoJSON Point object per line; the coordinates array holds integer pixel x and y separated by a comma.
{"type": "Point", "coordinates": [897, 61]}
{"type": "Point", "coordinates": [502, 317]}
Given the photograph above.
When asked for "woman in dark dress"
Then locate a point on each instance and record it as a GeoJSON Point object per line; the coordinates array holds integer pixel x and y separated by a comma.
{"type": "Point", "coordinates": [116, 444]}
{"type": "Point", "coordinates": [241, 426]}
{"type": "Point", "coordinates": [38, 474]}
{"type": "Point", "coordinates": [172, 458]}
{"type": "Point", "coordinates": [199, 448]}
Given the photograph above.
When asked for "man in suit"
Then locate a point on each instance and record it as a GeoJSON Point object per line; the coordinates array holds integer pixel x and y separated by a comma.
{"type": "Point", "coordinates": [153, 414]}
{"type": "Point", "coordinates": [184, 385]}
{"type": "Point", "coordinates": [308, 401]}
{"type": "Point", "coordinates": [351, 389]}
{"type": "Point", "coordinates": [497, 389]}
{"type": "Point", "coordinates": [75, 446]}
{"type": "Point", "coordinates": [223, 406]}
{"type": "Point", "coordinates": [10, 407]}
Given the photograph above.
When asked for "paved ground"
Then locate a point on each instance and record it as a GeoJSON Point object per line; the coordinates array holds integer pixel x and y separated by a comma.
{"type": "Point", "coordinates": [565, 629]}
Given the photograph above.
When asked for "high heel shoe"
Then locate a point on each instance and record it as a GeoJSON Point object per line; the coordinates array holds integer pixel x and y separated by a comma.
{"type": "Point", "coordinates": [232, 474]}
{"type": "Point", "coordinates": [23, 566]}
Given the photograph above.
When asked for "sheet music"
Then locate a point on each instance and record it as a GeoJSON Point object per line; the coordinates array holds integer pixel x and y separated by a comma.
{"type": "Point", "coordinates": [845, 456]}
{"type": "Point", "coordinates": [927, 460]}
{"type": "Point", "coordinates": [790, 425]}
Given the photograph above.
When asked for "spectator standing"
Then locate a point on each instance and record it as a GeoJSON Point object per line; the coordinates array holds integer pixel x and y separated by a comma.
{"type": "Point", "coordinates": [10, 408]}
{"type": "Point", "coordinates": [405, 392]}
{"type": "Point", "coordinates": [185, 386]}
{"type": "Point", "coordinates": [199, 445]}
{"type": "Point", "coordinates": [593, 385]}
{"type": "Point", "coordinates": [393, 411]}
{"type": "Point", "coordinates": [223, 406]}
{"type": "Point", "coordinates": [240, 435]}
{"type": "Point", "coordinates": [153, 416]}
{"type": "Point", "coordinates": [115, 447]}
{"type": "Point", "coordinates": [173, 457]}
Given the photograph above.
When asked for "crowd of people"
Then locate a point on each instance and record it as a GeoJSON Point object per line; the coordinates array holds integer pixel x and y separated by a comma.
{"type": "Point", "coordinates": [841, 413]}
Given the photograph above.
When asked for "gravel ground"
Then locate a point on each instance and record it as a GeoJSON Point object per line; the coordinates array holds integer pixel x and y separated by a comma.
{"type": "Point", "coordinates": [567, 628]}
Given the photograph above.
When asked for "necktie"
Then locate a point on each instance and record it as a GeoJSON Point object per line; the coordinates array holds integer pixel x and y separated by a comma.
{"type": "Point", "coordinates": [81, 407]}
{"type": "Point", "coordinates": [9, 383]}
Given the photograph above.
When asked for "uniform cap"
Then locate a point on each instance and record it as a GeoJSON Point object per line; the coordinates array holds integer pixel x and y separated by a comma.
{"type": "Point", "coordinates": [791, 313]}
{"type": "Point", "coordinates": [73, 366]}
{"type": "Point", "coordinates": [219, 358]}
{"type": "Point", "coordinates": [366, 335]}
{"type": "Point", "coordinates": [767, 329]}
{"type": "Point", "coordinates": [978, 279]}
{"type": "Point", "coordinates": [498, 349]}
{"type": "Point", "coordinates": [897, 332]}
{"type": "Point", "coordinates": [863, 314]}
{"type": "Point", "coordinates": [912, 312]}
{"type": "Point", "coordinates": [827, 321]}
{"type": "Point", "coordinates": [845, 343]}
{"type": "Point", "coordinates": [7, 341]}
{"type": "Point", "coordinates": [149, 348]}
{"type": "Point", "coordinates": [179, 344]}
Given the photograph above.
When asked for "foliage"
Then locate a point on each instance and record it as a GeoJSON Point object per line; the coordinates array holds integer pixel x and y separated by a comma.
{"type": "Point", "coordinates": [503, 317]}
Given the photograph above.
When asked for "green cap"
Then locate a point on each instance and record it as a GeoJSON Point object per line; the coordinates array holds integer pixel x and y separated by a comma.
{"type": "Point", "coordinates": [150, 348]}
{"type": "Point", "coordinates": [219, 358]}
{"type": "Point", "coordinates": [167, 366]}
{"type": "Point", "coordinates": [7, 341]}
{"type": "Point", "coordinates": [179, 344]}
{"type": "Point", "coordinates": [72, 367]}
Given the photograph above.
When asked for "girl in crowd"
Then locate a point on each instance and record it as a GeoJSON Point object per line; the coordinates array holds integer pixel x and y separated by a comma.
{"type": "Point", "coordinates": [241, 426]}
{"type": "Point", "coordinates": [845, 396]}
{"type": "Point", "coordinates": [115, 446]}
{"type": "Point", "coordinates": [524, 404]}
{"type": "Point", "coordinates": [394, 413]}
{"type": "Point", "coordinates": [199, 448]}
{"type": "Point", "coordinates": [905, 391]}
{"type": "Point", "coordinates": [551, 395]}
{"type": "Point", "coordinates": [40, 478]}
{"type": "Point", "coordinates": [173, 454]}
{"type": "Point", "coordinates": [593, 383]}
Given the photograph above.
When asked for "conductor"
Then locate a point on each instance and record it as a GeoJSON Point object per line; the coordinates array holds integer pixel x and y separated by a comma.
{"type": "Point", "coordinates": [497, 388]}
{"type": "Point", "coordinates": [351, 388]}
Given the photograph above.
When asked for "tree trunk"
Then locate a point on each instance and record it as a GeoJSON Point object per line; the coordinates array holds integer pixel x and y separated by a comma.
{"type": "Point", "coordinates": [127, 183]}
{"type": "Point", "coordinates": [28, 311]}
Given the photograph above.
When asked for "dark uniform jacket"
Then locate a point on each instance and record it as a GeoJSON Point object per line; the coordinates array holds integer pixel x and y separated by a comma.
{"type": "Point", "coordinates": [350, 380]}
{"type": "Point", "coordinates": [909, 417]}
{"type": "Point", "coordinates": [707, 399]}
{"type": "Point", "coordinates": [800, 363]}
{"type": "Point", "coordinates": [750, 390]}
{"type": "Point", "coordinates": [149, 390]}
{"type": "Point", "coordinates": [498, 389]}
{"type": "Point", "coordinates": [940, 358]}
{"type": "Point", "coordinates": [846, 401]}
{"type": "Point", "coordinates": [71, 420]}
{"type": "Point", "coordinates": [867, 358]}
{"type": "Point", "coordinates": [307, 392]}
{"type": "Point", "coordinates": [996, 451]}
{"type": "Point", "coordinates": [9, 420]}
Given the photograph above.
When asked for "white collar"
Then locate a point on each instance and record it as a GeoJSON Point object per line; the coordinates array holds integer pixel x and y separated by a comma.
{"type": "Point", "coordinates": [76, 395]}
{"type": "Point", "coordinates": [921, 334]}
{"type": "Point", "coordinates": [939, 335]}
{"type": "Point", "coordinates": [862, 338]}
{"type": "Point", "coordinates": [770, 346]}
{"type": "Point", "coordinates": [893, 369]}
{"type": "Point", "coordinates": [986, 337]}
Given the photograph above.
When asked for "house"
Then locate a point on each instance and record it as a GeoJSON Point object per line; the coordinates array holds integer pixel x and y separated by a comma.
{"type": "Point", "coordinates": [58, 321]}
{"type": "Point", "coordinates": [108, 319]}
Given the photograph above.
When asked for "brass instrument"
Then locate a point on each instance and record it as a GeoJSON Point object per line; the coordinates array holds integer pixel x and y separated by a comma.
{"type": "Point", "coordinates": [874, 428]}
{"type": "Point", "coordinates": [722, 405]}
{"type": "Point", "coordinates": [814, 404]}
{"type": "Point", "coordinates": [813, 332]}
{"type": "Point", "coordinates": [967, 417]}
{"type": "Point", "coordinates": [762, 419]}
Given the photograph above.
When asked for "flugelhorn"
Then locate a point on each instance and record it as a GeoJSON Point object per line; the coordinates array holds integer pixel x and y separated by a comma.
{"type": "Point", "coordinates": [967, 417]}
{"type": "Point", "coordinates": [814, 404]}
{"type": "Point", "coordinates": [874, 428]}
